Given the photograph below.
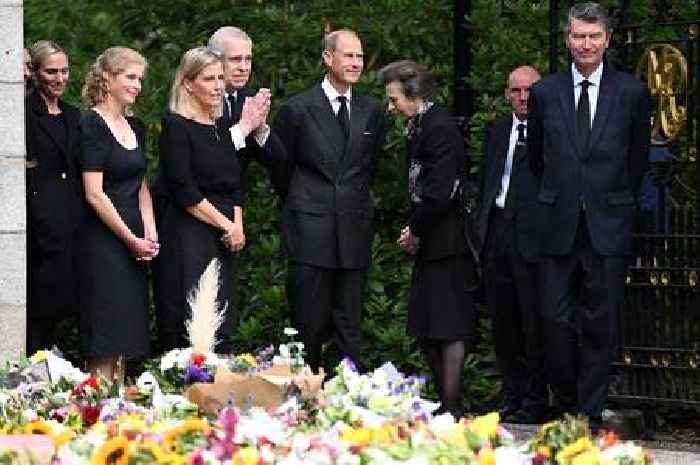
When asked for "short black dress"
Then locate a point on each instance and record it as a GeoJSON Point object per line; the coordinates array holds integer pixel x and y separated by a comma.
{"type": "Point", "coordinates": [441, 302]}
{"type": "Point", "coordinates": [113, 284]}
{"type": "Point", "coordinates": [196, 162]}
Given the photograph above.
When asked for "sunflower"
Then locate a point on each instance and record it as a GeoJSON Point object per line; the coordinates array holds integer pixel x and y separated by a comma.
{"type": "Point", "coordinates": [113, 452]}
{"type": "Point", "coordinates": [38, 427]}
{"type": "Point", "coordinates": [191, 425]}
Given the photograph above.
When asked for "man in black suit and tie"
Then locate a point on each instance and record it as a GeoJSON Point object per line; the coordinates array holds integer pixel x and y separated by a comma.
{"type": "Point", "coordinates": [588, 141]}
{"type": "Point", "coordinates": [332, 136]}
{"type": "Point", "coordinates": [508, 227]}
{"type": "Point", "coordinates": [244, 113]}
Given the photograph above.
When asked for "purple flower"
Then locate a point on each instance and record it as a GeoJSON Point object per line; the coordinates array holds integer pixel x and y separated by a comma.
{"type": "Point", "coordinates": [347, 361]}
{"type": "Point", "coordinates": [195, 374]}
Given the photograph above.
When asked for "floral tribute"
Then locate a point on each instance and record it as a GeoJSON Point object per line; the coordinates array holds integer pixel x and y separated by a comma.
{"type": "Point", "coordinates": [375, 418]}
{"type": "Point", "coordinates": [358, 419]}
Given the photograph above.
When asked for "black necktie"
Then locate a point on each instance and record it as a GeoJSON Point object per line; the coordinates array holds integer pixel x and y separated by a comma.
{"type": "Point", "coordinates": [518, 153]}
{"type": "Point", "coordinates": [232, 116]}
{"type": "Point", "coordinates": [343, 118]}
{"type": "Point", "coordinates": [583, 118]}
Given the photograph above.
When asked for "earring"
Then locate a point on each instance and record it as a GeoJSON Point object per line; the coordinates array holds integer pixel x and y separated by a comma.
{"type": "Point", "coordinates": [188, 89]}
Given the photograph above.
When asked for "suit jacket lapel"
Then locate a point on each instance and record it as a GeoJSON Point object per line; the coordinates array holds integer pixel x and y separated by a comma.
{"type": "Point", "coordinates": [568, 105]}
{"type": "Point", "coordinates": [501, 150]}
{"type": "Point", "coordinates": [40, 109]}
{"type": "Point", "coordinates": [606, 94]}
{"type": "Point", "coordinates": [322, 112]}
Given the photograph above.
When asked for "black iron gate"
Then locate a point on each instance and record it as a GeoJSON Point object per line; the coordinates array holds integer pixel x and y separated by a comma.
{"type": "Point", "coordinates": [659, 339]}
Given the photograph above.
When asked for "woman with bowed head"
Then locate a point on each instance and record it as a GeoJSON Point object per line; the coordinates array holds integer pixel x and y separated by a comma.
{"type": "Point", "coordinates": [441, 303]}
{"type": "Point", "coordinates": [54, 203]}
{"type": "Point", "coordinates": [203, 217]}
{"type": "Point", "coordinates": [119, 236]}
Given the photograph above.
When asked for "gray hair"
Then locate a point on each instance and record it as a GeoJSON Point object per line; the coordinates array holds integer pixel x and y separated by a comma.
{"type": "Point", "coordinates": [416, 80]}
{"type": "Point", "coordinates": [219, 38]}
{"type": "Point", "coordinates": [330, 40]}
{"type": "Point", "coordinates": [590, 12]}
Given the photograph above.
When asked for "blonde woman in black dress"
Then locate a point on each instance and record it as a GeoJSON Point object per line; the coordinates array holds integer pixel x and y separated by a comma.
{"type": "Point", "coordinates": [119, 236]}
{"type": "Point", "coordinates": [202, 218]}
{"type": "Point", "coordinates": [54, 203]}
{"type": "Point", "coordinates": [441, 303]}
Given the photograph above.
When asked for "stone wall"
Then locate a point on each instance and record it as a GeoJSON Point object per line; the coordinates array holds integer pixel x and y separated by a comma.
{"type": "Point", "coordinates": [12, 201]}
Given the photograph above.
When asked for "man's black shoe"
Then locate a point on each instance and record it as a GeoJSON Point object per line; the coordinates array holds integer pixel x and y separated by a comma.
{"type": "Point", "coordinates": [508, 410]}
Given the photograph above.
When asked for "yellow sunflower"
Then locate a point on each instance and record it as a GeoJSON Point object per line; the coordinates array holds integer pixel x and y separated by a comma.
{"type": "Point", "coordinates": [113, 452]}
{"type": "Point", "coordinates": [38, 427]}
{"type": "Point", "coordinates": [191, 425]}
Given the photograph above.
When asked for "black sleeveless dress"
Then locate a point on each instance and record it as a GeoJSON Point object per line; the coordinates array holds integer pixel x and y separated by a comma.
{"type": "Point", "coordinates": [113, 284]}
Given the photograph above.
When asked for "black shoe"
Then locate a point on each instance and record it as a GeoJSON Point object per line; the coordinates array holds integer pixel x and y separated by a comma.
{"type": "Point", "coordinates": [529, 416]}
{"type": "Point", "coordinates": [595, 424]}
{"type": "Point", "coordinates": [509, 410]}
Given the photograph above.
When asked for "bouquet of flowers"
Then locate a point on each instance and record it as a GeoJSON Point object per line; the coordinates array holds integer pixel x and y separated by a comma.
{"type": "Point", "coordinates": [373, 398]}
{"type": "Point", "coordinates": [569, 442]}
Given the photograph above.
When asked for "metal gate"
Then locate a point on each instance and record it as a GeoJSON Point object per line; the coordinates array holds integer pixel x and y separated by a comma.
{"type": "Point", "coordinates": [658, 360]}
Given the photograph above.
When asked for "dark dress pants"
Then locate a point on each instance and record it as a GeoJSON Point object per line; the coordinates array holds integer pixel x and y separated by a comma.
{"type": "Point", "coordinates": [582, 295]}
{"type": "Point", "coordinates": [513, 298]}
{"type": "Point", "coordinates": [326, 305]}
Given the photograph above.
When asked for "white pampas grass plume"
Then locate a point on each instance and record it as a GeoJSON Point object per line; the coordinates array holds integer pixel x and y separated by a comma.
{"type": "Point", "coordinates": [205, 316]}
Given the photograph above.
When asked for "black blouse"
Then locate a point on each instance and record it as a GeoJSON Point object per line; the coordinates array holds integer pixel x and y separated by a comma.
{"type": "Point", "coordinates": [199, 162]}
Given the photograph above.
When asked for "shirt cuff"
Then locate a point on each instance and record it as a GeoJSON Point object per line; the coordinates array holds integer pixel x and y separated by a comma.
{"type": "Point", "coordinates": [237, 137]}
{"type": "Point", "coordinates": [261, 134]}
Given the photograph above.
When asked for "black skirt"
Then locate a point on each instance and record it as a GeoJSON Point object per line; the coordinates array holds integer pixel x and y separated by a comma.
{"type": "Point", "coordinates": [441, 302]}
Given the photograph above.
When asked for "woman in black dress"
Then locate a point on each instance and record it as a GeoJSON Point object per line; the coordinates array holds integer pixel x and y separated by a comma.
{"type": "Point", "coordinates": [54, 195]}
{"type": "Point", "coordinates": [118, 236]}
{"type": "Point", "coordinates": [441, 305]}
{"type": "Point", "coordinates": [203, 217]}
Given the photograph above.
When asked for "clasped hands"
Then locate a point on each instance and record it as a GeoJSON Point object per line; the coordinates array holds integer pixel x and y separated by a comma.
{"type": "Point", "coordinates": [145, 248]}
{"type": "Point", "coordinates": [234, 238]}
{"type": "Point", "coordinates": [255, 111]}
{"type": "Point", "coordinates": [407, 241]}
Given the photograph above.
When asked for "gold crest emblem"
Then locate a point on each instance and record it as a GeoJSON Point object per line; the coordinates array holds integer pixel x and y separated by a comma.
{"type": "Point", "coordinates": [665, 71]}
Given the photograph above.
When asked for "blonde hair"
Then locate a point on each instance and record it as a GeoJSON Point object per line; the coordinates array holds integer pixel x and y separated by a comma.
{"type": "Point", "coordinates": [43, 49]}
{"type": "Point", "coordinates": [191, 64]}
{"type": "Point", "coordinates": [110, 63]}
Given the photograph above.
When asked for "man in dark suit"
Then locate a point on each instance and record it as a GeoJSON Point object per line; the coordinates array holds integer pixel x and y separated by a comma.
{"type": "Point", "coordinates": [332, 136]}
{"type": "Point", "coordinates": [244, 112]}
{"type": "Point", "coordinates": [588, 141]}
{"type": "Point", "coordinates": [508, 225]}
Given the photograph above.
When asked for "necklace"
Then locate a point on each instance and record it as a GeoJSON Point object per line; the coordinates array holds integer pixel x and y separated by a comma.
{"type": "Point", "coordinates": [216, 132]}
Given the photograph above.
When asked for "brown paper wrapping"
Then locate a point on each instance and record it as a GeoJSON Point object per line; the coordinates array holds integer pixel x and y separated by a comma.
{"type": "Point", "coordinates": [267, 389]}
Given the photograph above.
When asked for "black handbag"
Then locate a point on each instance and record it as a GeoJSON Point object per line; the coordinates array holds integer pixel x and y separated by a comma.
{"type": "Point", "coordinates": [467, 196]}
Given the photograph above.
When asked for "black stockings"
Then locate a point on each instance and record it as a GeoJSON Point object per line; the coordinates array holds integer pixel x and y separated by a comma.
{"type": "Point", "coordinates": [446, 361]}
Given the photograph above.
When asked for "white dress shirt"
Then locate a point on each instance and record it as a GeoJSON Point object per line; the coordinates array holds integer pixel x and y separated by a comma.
{"type": "Point", "coordinates": [333, 95]}
{"type": "Point", "coordinates": [508, 168]}
{"type": "Point", "coordinates": [593, 89]}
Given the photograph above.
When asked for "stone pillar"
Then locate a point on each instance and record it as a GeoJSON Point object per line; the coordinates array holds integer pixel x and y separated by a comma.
{"type": "Point", "coordinates": [13, 229]}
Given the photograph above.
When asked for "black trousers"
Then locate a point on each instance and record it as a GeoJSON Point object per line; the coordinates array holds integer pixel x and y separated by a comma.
{"type": "Point", "coordinates": [512, 287]}
{"type": "Point", "coordinates": [582, 294]}
{"type": "Point", "coordinates": [326, 306]}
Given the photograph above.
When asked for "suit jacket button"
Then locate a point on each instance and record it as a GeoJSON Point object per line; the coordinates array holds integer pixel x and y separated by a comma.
{"type": "Point", "coordinates": [63, 175]}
